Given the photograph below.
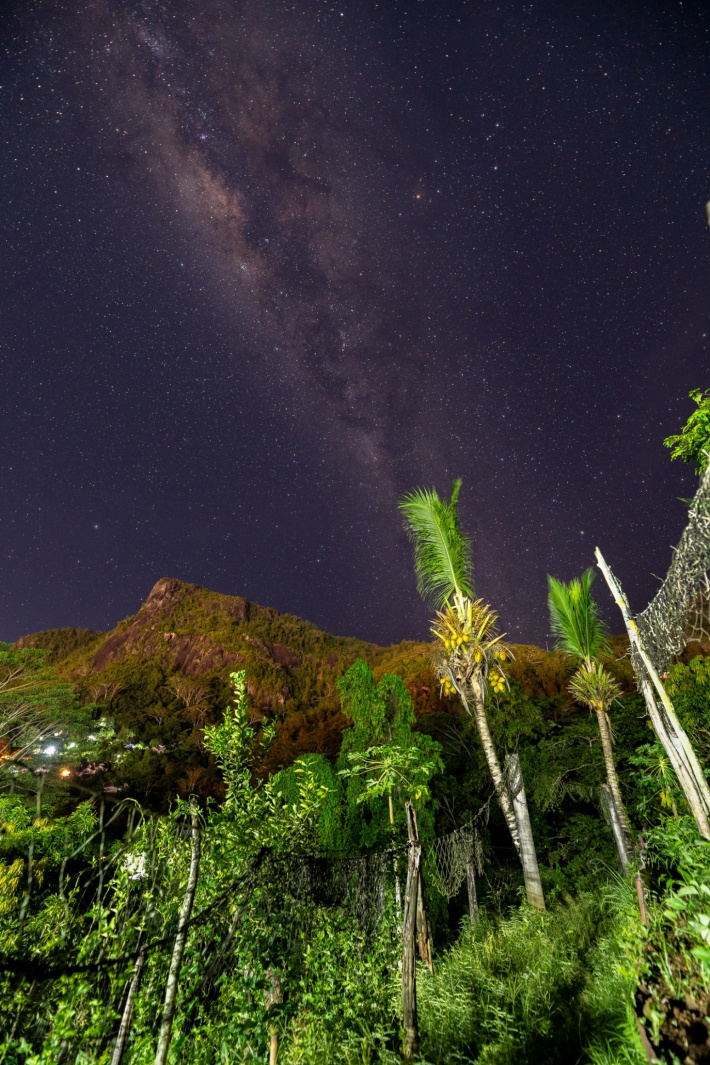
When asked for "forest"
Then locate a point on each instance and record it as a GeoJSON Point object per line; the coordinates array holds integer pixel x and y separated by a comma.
{"type": "Point", "coordinates": [226, 836]}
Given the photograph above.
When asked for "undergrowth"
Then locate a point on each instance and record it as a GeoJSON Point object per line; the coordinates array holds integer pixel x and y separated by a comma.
{"type": "Point", "coordinates": [553, 987]}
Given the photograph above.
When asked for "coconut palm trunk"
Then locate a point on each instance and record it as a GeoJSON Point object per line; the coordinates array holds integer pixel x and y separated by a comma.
{"type": "Point", "coordinates": [612, 777]}
{"type": "Point", "coordinates": [475, 699]}
{"type": "Point", "coordinates": [528, 855]}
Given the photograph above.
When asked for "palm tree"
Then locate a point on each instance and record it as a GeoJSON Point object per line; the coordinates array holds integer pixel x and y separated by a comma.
{"type": "Point", "coordinates": [469, 653]}
{"type": "Point", "coordinates": [580, 632]}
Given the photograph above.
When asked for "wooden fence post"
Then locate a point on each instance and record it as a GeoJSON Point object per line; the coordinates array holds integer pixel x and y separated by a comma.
{"type": "Point", "coordinates": [409, 961]}
{"type": "Point", "coordinates": [472, 895]}
{"type": "Point", "coordinates": [424, 938]}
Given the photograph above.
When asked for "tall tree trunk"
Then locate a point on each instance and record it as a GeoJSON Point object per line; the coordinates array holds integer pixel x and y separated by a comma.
{"type": "Point", "coordinates": [479, 716]}
{"type": "Point", "coordinates": [410, 1019]}
{"type": "Point", "coordinates": [528, 856]}
{"type": "Point", "coordinates": [127, 1016]}
{"type": "Point", "coordinates": [171, 987]}
{"type": "Point", "coordinates": [613, 780]}
{"type": "Point", "coordinates": [611, 812]}
{"type": "Point", "coordinates": [665, 722]}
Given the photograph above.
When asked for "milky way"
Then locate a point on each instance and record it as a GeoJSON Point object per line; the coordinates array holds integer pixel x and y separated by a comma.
{"type": "Point", "coordinates": [268, 266]}
{"type": "Point", "coordinates": [264, 138]}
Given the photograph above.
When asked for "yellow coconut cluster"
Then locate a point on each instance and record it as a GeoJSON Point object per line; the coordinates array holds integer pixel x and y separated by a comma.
{"type": "Point", "coordinates": [496, 681]}
{"type": "Point", "coordinates": [467, 633]}
{"type": "Point", "coordinates": [447, 687]}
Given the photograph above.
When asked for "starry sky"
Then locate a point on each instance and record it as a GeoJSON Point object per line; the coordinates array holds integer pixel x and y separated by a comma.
{"type": "Point", "coordinates": [266, 266]}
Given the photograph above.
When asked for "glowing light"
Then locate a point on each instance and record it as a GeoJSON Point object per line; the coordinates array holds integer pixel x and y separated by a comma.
{"type": "Point", "coordinates": [50, 750]}
{"type": "Point", "coordinates": [65, 773]}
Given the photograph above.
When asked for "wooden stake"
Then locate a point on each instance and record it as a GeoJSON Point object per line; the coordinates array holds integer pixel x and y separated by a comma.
{"type": "Point", "coordinates": [409, 965]}
{"type": "Point", "coordinates": [127, 1015]}
{"type": "Point", "coordinates": [472, 896]}
{"type": "Point", "coordinates": [171, 987]}
{"type": "Point", "coordinates": [272, 997]}
{"type": "Point", "coordinates": [424, 929]}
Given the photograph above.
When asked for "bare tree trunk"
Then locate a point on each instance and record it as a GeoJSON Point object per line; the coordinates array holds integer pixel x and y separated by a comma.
{"type": "Point", "coordinates": [472, 896]}
{"type": "Point", "coordinates": [127, 1016]}
{"type": "Point", "coordinates": [624, 853]}
{"type": "Point", "coordinates": [489, 750]}
{"type": "Point", "coordinates": [424, 941]}
{"type": "Point", "coordinates": [171, 987]}
{"type": "Point", "coordinates": [528, 856]}
{"type": "Point", "coordinates": [409, 964]}
{"type": "Point", "coordinates": [613, 780]}
{"type": "Point", "coordinates": [665, 722]}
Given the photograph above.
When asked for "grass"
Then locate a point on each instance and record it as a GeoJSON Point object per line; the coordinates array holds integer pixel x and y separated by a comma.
{"type": "Point", "coordinates": [545, 989]}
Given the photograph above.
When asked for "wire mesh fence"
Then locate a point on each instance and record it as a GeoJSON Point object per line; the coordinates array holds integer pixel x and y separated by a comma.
{"type": "Point", "coordinates": [679, 613]}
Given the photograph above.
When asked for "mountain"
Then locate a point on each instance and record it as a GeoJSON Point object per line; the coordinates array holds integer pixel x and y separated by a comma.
{"type": "Point", "coordinates": [162, 675]}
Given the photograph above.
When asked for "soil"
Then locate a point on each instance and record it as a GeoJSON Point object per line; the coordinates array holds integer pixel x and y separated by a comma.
{"type": "Point", "coordinates": [684, 1023]}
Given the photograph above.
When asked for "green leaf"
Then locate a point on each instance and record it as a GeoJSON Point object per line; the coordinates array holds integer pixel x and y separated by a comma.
{"type": "Point", "coordinates": [442, 551]}
{"type": "Point", "coordinates": [574, 617]}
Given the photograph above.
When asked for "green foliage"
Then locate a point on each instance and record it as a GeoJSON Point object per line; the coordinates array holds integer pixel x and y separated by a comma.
{"type": "Point", "coordinates": [256, 812]}
{"type": "Point", "coordinates": [386, 768]}
{"type": "Point", "coordinates": [381, 746]}
{"type": "Point", "coordinates": [689, 688]}
{"type": "Point", "coordinates": [692, 443]}
{"type": "Point", "coordinates": [379, 712]}
{"type": "Point", "coordinates": [657, 793]}
{"type": "Point", "coordinates": [675, 963]}
{"type": "Point", "coordinates": [520, 987]}
{"type": "Point", "coordinates": [330, 827]}
{"type": "Point", "coordinates": [44, 732]}
{"type": "Point", "coordinates": [574, 617]}
{"type": "Point", "coordinates": [536, 987]}
{"type": "Point", "coordinates": [442, 551]}
{"type": "Point", "coordinates": [594, 687]}
{"type": "Point", "coordinates": [61, 643]}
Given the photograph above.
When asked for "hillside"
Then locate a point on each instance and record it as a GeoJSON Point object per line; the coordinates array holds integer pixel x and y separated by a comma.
{"type": "Point", "coordinates": [162, 675]}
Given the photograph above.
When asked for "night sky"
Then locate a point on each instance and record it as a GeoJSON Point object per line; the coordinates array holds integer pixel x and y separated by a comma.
{"type": "Point", "coordinates": [265, 266]}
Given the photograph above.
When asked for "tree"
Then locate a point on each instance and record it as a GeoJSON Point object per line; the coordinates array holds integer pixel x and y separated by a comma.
{"type": "Point", "coordinates": [692, 443]}
{"type": "Point", "coordinates": [580, 632]}
{"type": "Point", "coordinates": [388, 767]}
{"type": "Point", "coordinates": [469, 654]}
{"type": "Point", "coordinates": [380, 755]}
{"type": "Point", "coordinates": [42, 725]}
{"type": "Point", "coordinates": [382, 716]}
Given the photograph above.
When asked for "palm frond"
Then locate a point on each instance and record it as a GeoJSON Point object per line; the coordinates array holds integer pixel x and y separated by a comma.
{"type": "Point", "coordinates": [595, 687]}
{"type": "Point", "coordinates": [574, 617]}
{"type": "Point", "coordinates": [442, 551]}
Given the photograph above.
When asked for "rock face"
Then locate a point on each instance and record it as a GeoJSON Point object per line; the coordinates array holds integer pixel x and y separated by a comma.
{"type": "Point", "coordinates": [149, 633]}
